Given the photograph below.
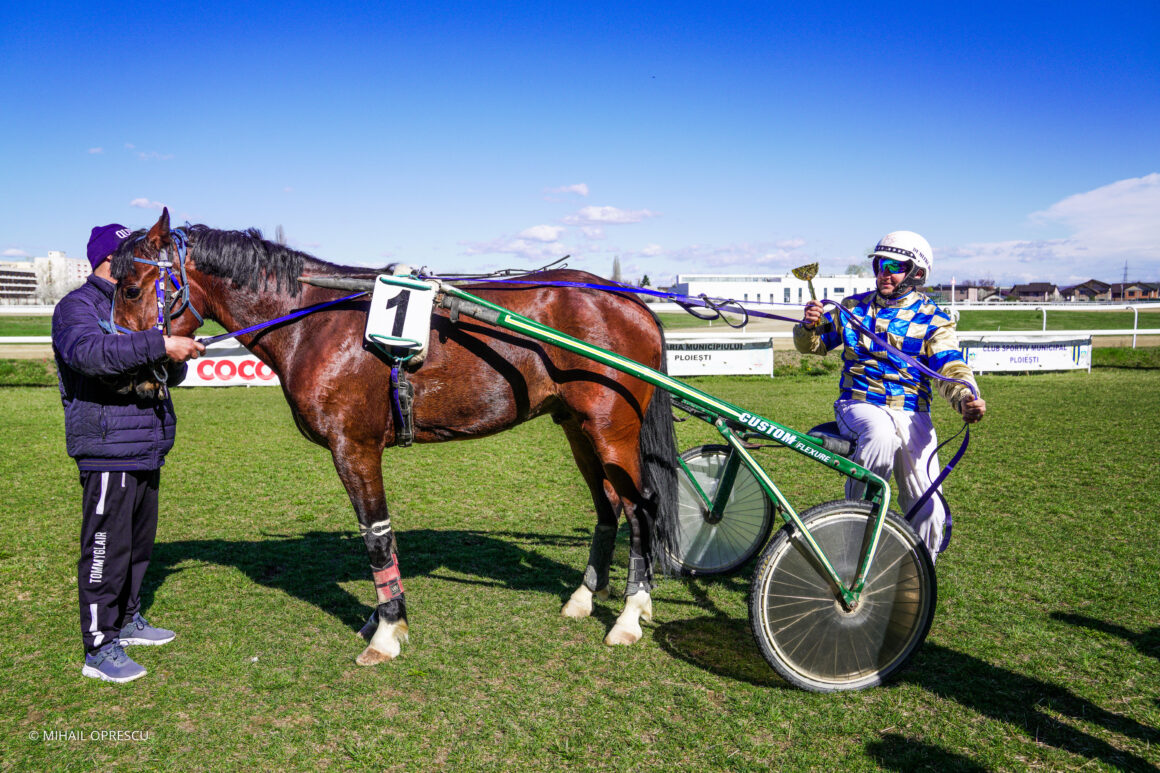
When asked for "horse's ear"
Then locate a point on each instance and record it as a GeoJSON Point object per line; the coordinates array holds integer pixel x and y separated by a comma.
{"type": "Point", "coordinates": [159, 233]}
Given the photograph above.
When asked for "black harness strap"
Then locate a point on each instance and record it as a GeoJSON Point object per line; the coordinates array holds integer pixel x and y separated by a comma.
{"type": "Point", "coordinates": [403, 402]}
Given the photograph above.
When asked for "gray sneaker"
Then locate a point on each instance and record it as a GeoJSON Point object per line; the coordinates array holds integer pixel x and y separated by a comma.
{"type": "Point", "coordinates": [138, 631]}
{"type": "Point", "coordinates": [111, 664]}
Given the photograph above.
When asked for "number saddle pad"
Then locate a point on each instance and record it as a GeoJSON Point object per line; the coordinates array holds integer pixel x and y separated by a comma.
{"type": "Point", "coordinates": [400, 315]}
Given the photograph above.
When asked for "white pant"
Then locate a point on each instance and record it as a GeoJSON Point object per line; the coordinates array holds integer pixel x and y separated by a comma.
{"type": "Point", "coordinates": [902, 443]}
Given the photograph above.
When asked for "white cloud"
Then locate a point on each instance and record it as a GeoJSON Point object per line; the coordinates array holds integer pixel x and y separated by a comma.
{"type": "Point", "coordinates": [1112, 225]}
{"type": "Point", "coordinates": [651, 250]}
{"type": "Point", "coordinates": [608, 216]}
{"type": "Point", "coordinates": [580, 189]}
{"type": "Point", "coordinates": [790, 244]}
{"type": "Point", "coordinates": [527, 248]}
{"type": "Point", "coordinates": [14, 253]}
{"type": "Point", "coordinates": [146, 204]}
{"type": "Point", "coordinates": [153, 155]}
{"type": "Point", "coordinates": [1122, 218]}
{"type": "Point", "coordinates": [96, 151]}
{"type": "Point", "coordinates": [542, 233]}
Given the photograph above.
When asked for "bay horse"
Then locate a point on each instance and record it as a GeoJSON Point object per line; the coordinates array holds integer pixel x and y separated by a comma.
{"type": "Point", "coordinates": [475, 380]}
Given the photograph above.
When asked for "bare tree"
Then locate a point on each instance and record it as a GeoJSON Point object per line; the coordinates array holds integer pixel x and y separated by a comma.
{"type": "Point", "coordinates": [280, 235]}
{"type": "Point", "coordinates": [616, 276]}
{"type": "Point", "coordinates": [857, 269]}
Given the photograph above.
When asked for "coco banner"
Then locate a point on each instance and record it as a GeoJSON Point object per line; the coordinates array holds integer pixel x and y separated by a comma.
{"type": "Point", "coordinates": [228, 364]}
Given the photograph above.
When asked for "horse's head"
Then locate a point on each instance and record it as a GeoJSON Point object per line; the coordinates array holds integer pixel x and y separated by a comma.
{"type": "Point", "coordinates": [153, 290]}
{"type": "Point", "coordinates": [154, 285]}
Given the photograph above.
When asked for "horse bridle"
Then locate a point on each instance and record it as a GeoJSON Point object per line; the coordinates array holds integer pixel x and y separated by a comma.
{"type": "Point", "coordinates": [171, 292]}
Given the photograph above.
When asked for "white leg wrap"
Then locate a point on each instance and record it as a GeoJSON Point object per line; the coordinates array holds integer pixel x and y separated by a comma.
{"type": "Point", "coordinates": [385, 645]}
{"type": "Point", "coordinates": [627, 629]}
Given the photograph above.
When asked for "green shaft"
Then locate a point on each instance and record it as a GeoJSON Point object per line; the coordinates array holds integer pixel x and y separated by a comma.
{"type": "Point", "coordinates": [744, 421]}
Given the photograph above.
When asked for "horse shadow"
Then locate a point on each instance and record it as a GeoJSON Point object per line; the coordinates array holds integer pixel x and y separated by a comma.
{"type": "Point", "coordinates": [718, 642]}
{"type": "Point", "coordinates": [313, 567]}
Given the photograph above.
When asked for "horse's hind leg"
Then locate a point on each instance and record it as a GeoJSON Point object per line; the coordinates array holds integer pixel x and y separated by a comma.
{"type": "Point", "coordinates": [607, 503]}
{"type": "Point", "coordinates": [614, 446]}
{"type": "Point", "coordinates": [360, 469]}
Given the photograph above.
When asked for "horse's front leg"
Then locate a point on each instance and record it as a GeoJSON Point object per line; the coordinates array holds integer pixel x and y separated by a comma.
{"type": "Point", "coordinates": [360, 469]}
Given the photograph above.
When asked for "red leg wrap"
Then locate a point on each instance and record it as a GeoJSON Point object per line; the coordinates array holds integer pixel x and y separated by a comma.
{"type": "Point", "coordinates": [388, 581]}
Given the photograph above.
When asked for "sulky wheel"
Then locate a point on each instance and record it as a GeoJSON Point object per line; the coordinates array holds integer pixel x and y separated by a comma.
{"type": "Point", "coordinates": [802, 629]}
{"type": "Point", "coordinates": [708, 543]}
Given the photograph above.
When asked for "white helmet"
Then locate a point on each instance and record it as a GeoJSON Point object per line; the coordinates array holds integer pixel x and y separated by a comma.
{"type": "Point", "coordinates": [906, 245]}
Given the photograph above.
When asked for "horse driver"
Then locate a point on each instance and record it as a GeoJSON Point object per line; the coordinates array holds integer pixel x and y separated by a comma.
{"type": "Point", "coordinates": [119, 439]}
{"type": "Point", "coordinates": [884, 403]}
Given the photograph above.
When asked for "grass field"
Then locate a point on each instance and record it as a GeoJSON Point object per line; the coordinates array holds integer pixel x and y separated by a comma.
{"type": "Point", "coordinates": [1044, 653]}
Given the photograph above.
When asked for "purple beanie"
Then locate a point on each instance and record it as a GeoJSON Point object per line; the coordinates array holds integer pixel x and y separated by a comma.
{"type": "Point", "coordinates": [104, 240]}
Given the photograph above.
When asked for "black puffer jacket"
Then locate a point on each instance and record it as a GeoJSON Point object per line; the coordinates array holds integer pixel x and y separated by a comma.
{"type": "Point", "coordinates": [104, 428]}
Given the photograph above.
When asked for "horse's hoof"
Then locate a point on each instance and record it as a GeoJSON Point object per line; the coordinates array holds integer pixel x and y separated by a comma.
{"type": "Point", "coordinates": [372, 657]}
{"type": "Point", "coordinates": [576, 611]}
{"type": "Point", "coordinates": [619, 635]}
{"type": "Point", "coordinates": [580, 605]}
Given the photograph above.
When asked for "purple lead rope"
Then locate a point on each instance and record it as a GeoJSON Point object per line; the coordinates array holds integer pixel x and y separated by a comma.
{"type": "Point", "coordinates": [285, 318]}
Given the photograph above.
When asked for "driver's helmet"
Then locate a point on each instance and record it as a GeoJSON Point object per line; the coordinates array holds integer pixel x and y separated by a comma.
{"type": "Point", "coordinates": [905, 245]}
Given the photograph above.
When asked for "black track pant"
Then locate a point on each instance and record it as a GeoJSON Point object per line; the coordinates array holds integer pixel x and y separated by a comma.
{"type": "Point", "coordinates": [120, 523]}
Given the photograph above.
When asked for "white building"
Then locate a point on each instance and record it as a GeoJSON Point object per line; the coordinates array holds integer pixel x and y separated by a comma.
{"type": "Point", "coordinates": [771, 288]}
{"type": "Point", "coordinates": [17, 282]}
{"type": "Point", "coordinates": [57, 274]}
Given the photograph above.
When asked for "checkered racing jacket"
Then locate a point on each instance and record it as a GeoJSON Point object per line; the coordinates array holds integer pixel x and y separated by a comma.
{"type": "Point", "coordinates": [870, 373]}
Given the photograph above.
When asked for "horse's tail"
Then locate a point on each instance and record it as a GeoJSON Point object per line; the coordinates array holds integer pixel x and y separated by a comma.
{"type": "Point", "coordinates": [658, 452]}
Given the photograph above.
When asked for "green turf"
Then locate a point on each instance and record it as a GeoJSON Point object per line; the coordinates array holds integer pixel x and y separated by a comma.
{"type": "Point", "coordinates": [1044, 653]}
{"type": "Point", "coordinates": [42, 326]}
{"type": "Point", "coordinates": [1063, 319]}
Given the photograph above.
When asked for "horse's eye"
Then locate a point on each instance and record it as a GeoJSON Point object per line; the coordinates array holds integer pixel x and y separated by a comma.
{"type": "Point", "coordinates": [132, 293]}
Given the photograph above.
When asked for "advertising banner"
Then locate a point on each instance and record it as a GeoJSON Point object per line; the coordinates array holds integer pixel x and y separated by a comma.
{"type": "Point", "coordinates": [1015, 353]}
{"type": "Point", "coordinates": [227, 363]}
{"type": "Point", "coordinates": [722, 355]}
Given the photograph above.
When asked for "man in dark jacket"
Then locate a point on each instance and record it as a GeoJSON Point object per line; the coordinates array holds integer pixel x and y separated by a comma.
{"type": "Point", "coordinates": [119, 438]}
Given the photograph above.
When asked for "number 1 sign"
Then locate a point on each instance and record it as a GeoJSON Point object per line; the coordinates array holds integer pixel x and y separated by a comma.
{"type": "Point", "coordinates": [400, 313]}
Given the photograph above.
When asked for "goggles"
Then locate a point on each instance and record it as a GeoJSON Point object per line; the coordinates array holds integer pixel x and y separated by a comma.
{"type": "Point", "coordinates": [891, 266]}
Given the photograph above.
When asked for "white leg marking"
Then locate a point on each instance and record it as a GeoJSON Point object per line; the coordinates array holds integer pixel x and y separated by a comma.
{"type": "Point", "coordinates": [580, 605]}
{"type": "Point", "coordinates": [385, 645]}
{"type": "Point", "coordinates": [627, 629]}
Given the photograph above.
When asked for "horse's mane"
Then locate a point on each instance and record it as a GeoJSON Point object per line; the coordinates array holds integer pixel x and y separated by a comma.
{"type": "Point", "coordinates": [243, 257]}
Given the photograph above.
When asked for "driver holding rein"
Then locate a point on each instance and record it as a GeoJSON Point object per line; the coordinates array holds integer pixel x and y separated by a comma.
{"type": "Point", "coordinates": [118, 435]}
{"type": "Point", "coordinates": [884, 403]}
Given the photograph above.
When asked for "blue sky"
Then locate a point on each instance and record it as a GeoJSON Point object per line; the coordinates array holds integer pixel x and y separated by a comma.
{"type": "Point", "coordinates": [1022, 139]}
